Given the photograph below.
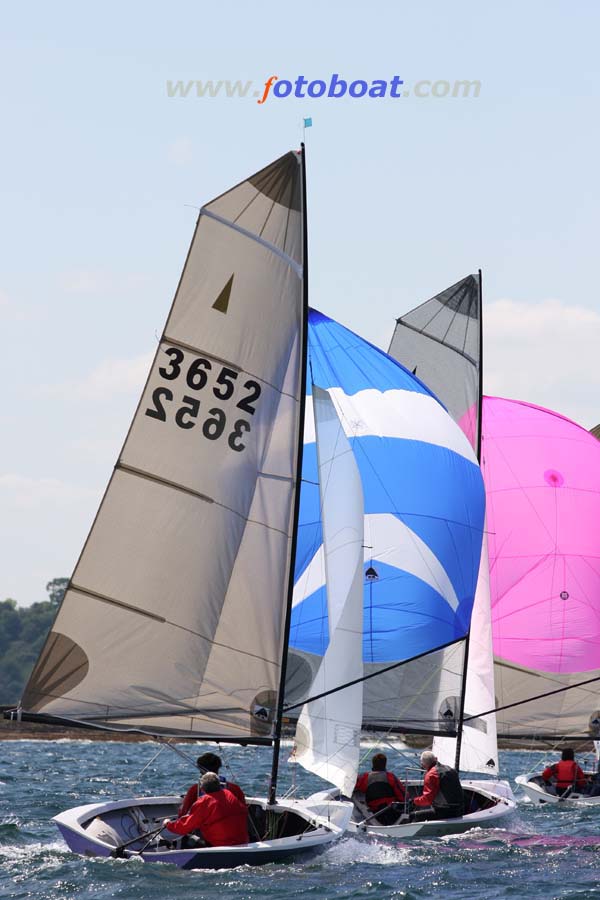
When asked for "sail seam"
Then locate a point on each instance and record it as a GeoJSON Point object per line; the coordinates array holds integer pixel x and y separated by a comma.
{"type": "Point", "coordinates": [259, 240]}
{"type": "Point", "coordinates": [120, 603]}
{"type": "Point", "coordinates": [140, 473]}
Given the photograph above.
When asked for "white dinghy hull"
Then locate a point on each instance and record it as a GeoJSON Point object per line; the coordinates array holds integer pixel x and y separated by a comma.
{"type": "Point", "coordinates": [534, 789]}
{"type": "Point", "coordinates": [100, 829]}
{"type": "Point", "coordinates": [494, 800]}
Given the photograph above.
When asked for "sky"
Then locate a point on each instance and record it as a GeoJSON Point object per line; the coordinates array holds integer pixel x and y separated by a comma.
{"type": "Point", "coordinates": [102, 174]}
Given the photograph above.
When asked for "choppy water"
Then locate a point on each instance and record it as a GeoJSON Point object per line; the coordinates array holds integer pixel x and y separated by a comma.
{"type": "Point", "coordinates": [543, 853]}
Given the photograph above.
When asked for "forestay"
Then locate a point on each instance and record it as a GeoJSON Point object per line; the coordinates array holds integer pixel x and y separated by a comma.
{"type": "Point", "coordinates": [173, 621]}
{"type": "Point", "coordinates": [424, 510]}
{"type": "Point", "coordinates": [328, 730]}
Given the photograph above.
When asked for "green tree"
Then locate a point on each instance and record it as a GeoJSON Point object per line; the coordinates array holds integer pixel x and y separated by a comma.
{"type": "Point", "coordinates": [23, 631]}
{"type": "Point", "coordinates": [56, 590]}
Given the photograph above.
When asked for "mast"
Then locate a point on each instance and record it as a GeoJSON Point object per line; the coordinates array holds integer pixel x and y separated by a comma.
{"type": "Point", "coordinates": [463, 690]}
{"type": "Point", "coordinates": [296, 516]}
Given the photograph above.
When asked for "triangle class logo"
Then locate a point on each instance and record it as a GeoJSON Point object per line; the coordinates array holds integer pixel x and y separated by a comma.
{"type": "Point", "coordinates": [222, 302]}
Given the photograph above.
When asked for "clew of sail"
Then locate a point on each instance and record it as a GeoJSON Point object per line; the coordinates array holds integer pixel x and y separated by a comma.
{"type": "Point", "coordinates": [174, 619]}
{"type": "Point", "coordinates": [328, 729]}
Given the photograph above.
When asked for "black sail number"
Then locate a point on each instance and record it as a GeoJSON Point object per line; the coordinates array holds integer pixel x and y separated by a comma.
{"type": "Point", "coordinates": [225, 382]}
{"type": "Point", "coordinates": [224, 387]}
{"type": "Point", "coordinates": [174, 369]}
{"type": "Point", "coordinates": [246, 402]}
{"type": "Point", "coordinates": [186, 414]}
{"type": "Point", "coordinates": [214, 426]}
{"type": "Point", "coordinates": [158, 411]}
{"type": "Point", "coordinates": [235, 438]}
{"type": "Point", "coordinates": [197, 374]}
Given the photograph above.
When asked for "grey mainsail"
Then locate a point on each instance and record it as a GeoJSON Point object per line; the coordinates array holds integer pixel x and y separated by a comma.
{"type": "Point", "coordinates": [439, 342]}
{"type": "Point", "coordinates": [174, 619]}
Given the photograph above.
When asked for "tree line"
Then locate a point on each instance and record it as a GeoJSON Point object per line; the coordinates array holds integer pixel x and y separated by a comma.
{"type": "Point", "coordinates": [23, 631]}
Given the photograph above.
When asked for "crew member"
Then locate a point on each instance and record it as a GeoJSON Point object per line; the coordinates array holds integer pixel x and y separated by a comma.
{"type": "Point", "coordinates": [208, 762]}
{"type": "Point", "coordinates": [565, 775]}
{"type": "Point", "coordinates": [442, 796]}
{"type": "Point", "coordinates": [218, 814]}
{"type": "Point", "coordinates": [381, 790]}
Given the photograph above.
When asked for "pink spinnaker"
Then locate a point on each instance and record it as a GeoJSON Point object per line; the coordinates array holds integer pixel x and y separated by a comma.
{"type": "Point", "coordinates": [542, 476]}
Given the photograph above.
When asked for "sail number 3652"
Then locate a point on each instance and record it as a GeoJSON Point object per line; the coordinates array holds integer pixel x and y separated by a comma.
{"type": "Point", "coordinates": [196, 377]}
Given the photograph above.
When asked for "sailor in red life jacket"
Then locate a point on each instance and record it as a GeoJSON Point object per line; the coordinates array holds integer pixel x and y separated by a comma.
{"type": "Point", "coordinates": [208, 762]}
{"type": "Point", "coordinates": [565, 774]}
{"type": "Point", "coordinates": [442, 796]}
{"type": "Point", "coordinates": [221, 818]}
{"type": "Point", "coordinates": [381, 789]}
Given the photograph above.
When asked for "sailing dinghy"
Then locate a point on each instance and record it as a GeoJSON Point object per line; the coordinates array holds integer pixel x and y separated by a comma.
{"type": "Point", "coordinates": [424, 516]}
{"type": "Point", "coordinates": [441, 341]}
{"type": "Point", "coordinates": [175, 622]}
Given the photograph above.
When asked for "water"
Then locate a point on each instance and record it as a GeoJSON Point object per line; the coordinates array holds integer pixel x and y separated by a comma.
{"type": "Point", "coordinates": [543, 852]}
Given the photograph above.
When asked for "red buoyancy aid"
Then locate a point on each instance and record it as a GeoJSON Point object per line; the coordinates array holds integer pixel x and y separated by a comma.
{"type": "Point", "coordinates": [220, 817]}
{"type": "Point", "coordinates": [566, 772]}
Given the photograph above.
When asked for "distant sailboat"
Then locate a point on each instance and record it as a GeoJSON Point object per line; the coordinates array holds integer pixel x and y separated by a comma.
{"type": "Point", "coordinates": [176, 619]}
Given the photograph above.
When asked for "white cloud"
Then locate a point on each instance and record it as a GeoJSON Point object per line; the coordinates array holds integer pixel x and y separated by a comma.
{"type": "Point", "coordinates": [84, 281]}
{"type": "Point", "coordinates": [111, 377]}
{"type": "Point", "coordinates": [21, 492]}
{"type": "Point", "coordinates": [545, 353]}
{"type": "Point", "coordinates": [180, 152]}
{"type": "Point", "coordinates": [11, 310]}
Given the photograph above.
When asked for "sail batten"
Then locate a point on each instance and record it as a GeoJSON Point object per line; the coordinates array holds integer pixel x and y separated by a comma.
{"type": "Point", "coordinates": [255, 237]}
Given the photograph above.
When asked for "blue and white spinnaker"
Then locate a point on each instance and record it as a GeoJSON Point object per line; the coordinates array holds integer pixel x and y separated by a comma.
{"type": "Point", "coordinates": [424, 511]}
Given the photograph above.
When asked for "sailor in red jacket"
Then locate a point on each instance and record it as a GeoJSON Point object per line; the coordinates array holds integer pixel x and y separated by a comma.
{"type": "Point", "coordinates": [566, 774]}
{"type": "Point", "coordinates": [381, 790]}
{"type": "Point", "coordinates": [221, 818]}
{"type": "Point", "coordinates": [208, 762]}
{"type": "Point", "coordinates": [442, 796]}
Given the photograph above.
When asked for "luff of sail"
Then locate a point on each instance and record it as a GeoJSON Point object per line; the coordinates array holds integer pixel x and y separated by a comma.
{"type": "Point", "coordinates": [424, 502]}
{"type": "Point", "coordinates": [173, 622]}
{"type": "Point", "coordinates": [328, 729]}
